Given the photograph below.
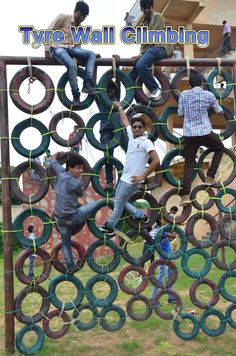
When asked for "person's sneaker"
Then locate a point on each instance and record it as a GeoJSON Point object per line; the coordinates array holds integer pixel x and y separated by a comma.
{"type": "Point", "coordinates": [185, 200]}
{"type": "Point", "coordinates": [156, 94]}
{"type": "Point", "coordinates": [76, 100]}
{"type": "Point", "coordinates": [145, 219]}
{"type": "Point", "coordinates": [106, 230]}
{"type": "Point", "coordinates": [72, 270]}
{"type": "Point", "coordinates": [211, 181]}
{"type": "Point", "coordinates": [109, 186]}
{"type": "Point", "coordinates": [171, 301]}
{"type": "Point", "coordinates": [88, 89]}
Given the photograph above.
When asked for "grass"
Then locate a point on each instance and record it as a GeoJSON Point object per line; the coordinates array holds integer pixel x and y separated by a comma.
{"type": "Point", "coordinates": [154, 336]}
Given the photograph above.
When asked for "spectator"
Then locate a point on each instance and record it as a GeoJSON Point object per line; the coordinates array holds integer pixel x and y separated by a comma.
{"type": "Point", "coordinates": [34, 177]}
{"type": "Point", "coordinates": [226, 37]}
{"type": "Point", "coordinates": [78, 146]}
{"type": "Point", "coordinates": [128, 19]}
{"type": "Point", "coordinates": [31, 257]}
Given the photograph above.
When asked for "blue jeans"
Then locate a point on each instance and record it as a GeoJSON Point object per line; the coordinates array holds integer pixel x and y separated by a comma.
{"type": "Point", "coordinates": [31, 265]}
{"type": "Point", "coordinates": [65, 55]}
{"type": "Point", "coordinates": [142, 67]}
{"type": "Point", "coordinates": [65, 229]}
{"type": "Point", "coordinates": [106, 136]}
{"type": "Point", "coordinates": [123, 192]}
{"type": "Point", "coordinates": [163, 269]}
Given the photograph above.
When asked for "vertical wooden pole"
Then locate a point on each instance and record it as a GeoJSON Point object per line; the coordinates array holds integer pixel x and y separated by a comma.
{"type": "Point", "coordinates": [6, 209]}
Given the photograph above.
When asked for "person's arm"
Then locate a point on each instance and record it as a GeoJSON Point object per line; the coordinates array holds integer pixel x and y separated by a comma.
{"type": "Point", "coordinates": [154, 162]}
{"type": "Point", "coordinates": [122, 113]}
{"type": "Point", "coordinates": [215, 105]}
{"type": "Point", "coordinates": [55, 164]}
{"type": "Point", "coordinates": [180, 107]}
{"type": "Point", "coordinates": [54, 25]}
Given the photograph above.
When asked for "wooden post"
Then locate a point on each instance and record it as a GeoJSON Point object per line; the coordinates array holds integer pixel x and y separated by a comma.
{"type": "Point", "coordinates": [6, 209]}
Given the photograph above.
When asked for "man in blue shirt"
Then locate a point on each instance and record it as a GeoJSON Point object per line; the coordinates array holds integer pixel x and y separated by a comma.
{"type": "Point", "coordinates": [193, 107]}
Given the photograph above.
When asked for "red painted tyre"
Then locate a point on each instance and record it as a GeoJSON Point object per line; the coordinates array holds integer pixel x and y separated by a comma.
{"type": "Point", "coordinates": [19, 266]}
{"type": "Point", "coordinates": [135, 316]}
{"type": "Point", "coordinates": [193, 291]}
{"type": "Point", "coordinates": [141, 97]}
{"type": "Point", "coordinates": [152, 275]}
{"type": "Point", "coordinates": [44, 79]}
{"type": "Point", "coordinates": [140, 288]}
{"type": "Point", "coordinates": [46, 324]}
{"type": "Point", "coordinates": [43, 186]}
{"type": "Point", "coordinates": [226, 226]}
{"type": "Point", "coordinates": [216, 260]}
{"type": "Point", "coordinates": [156, 304]}
{"type": "Point", "coordinates": [59, 265]}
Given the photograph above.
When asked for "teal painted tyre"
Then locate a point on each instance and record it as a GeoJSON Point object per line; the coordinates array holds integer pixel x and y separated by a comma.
{"type": "Point", "coordinates": [133, 314]}
{"type": "Point", "coordinates": [212, 332]}
{"type": "Point", "coordinates": [32, 319]}
{"type": "Point", "coordinates": [43, 78]}
{"type": "Point", "coordinates": [206, 205]}
{"type": "Point", "coordinates": [221, 286]}
{"type": "Point", "coordinates": [92, 139]}
{"type": "Point", "coordinates": [148, 112]}
{"type": "Point", "coordinates": [186, 335]}
{"type": "Point", "coordinates": [220, 206]}
{"type": "Point", "coordinates": [37, 346]}
{"type": "Point", "coordinates": [56, 301]}
{"type": "Point", "coordinates": [189, 230]}
{"type": "Point", "coordinates": [229, 83]}
{"type": "Point", "coordinates": [220, 264]}
{"type": "Point", "coordinates": [183, 242]}
{"type": "Point", "coordinates": [109, 267]}
{"type": "Point", "coordinates": [17, 131]}
{"type": "Point", "coordinates": [64, 98]}
{"type": "Point", "coordinates": [204, 270]}
{"type": "Point", "coordinates": [101, 302]}
{"type": "Point", "coordinates": [170, 137]}
{"type": "Point", "coordinates": [91, 323]}
{"type": "Point", "coordinates": [168, 175]}
{"type": "Point", "coordinates": [125, 80]}
{"type": "Point", "coordinates": [116, 326]}
{"type": "Point", "coordinates": [228, 315]}
{"type": "Point", "coordinates": [95, 180]}
{"type": "Point", "coordinates": [232, 175]}
{"type": "Point", "coordinates": [17, 227]}
{"type": "Point", "coordinates": [193, 293]}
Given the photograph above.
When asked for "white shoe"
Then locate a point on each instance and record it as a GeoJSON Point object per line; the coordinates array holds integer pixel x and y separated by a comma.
{"type": "Point", "coordinates": [156, 94]}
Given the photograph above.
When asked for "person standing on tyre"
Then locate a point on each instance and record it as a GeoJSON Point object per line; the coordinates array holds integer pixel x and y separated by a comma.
{"type": "Point", "coordinates": [193, 107]}
{"type": "Point", "coordinates": [150, 53]}
{"type": "Point", "coordinates": [64, 53]}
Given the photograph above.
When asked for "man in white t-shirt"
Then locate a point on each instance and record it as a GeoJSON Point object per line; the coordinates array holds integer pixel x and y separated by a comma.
{"type": "Point", "coordinates": [140, 150]}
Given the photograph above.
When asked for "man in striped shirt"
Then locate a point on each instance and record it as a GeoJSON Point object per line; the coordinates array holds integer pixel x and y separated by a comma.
{"type": "Point", "coordinates": [193, 107]}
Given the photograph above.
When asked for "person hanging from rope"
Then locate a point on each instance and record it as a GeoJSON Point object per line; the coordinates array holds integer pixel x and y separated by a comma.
{"type": "Point", "coordinates": [150, 52]}
{"type": "Point", "coordinates": [64, 53]}
{"type": "Point", "coordinates": [193, 106]}
{"type": "Point", "coordinates": [140, 151]}
{"type": "Point", "coordinates": [68, 188]}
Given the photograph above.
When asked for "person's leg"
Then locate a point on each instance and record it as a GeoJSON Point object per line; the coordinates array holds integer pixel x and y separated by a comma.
{"type": "Point", "coordinates": [133, 74]}
{"type": "Point", "coordinates": [170, 297]}
{"type": "Point", "coordinates": [31, 265]}
{"type": "Point", "coordinates": [135, 212]}
{"type": "Point", "coordinates": [65, 232]}
{"type": "Point", "coordinates": [106, 137]}
{"type": "Point", "coordinates": [213, 142]}
{"type": "Point", "coordinates": [63, 57]}
{"type": "Point", "coordinates": [143, 65]}
{"type": "Point", "coordinates": [83, 213]}
{"type": "Point", "coordinates": [191, 146]}
{"type": "Point", "coordinates": [160, 277]}
{"type": "Point", "coordinates": [89, 58]}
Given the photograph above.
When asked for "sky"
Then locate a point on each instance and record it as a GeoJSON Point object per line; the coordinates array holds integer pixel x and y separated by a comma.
{"type": "Point", "coordinates": [40, 15]}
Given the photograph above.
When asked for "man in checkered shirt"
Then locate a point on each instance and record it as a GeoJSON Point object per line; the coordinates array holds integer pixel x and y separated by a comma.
{"type": "Point", "coordinates": [193, 107]}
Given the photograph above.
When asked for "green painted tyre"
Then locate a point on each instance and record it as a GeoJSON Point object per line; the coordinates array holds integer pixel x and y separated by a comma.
{"type": "Point", "coordinates": [229, 83]}
{"type": "Point", "coordinates": [168, 175]}
{"type": "Point", "coordinates": [101, 302]}
{"type": "Point", "coordinates": [64, 98]}
{"type": "Point", "coordinates": [17, 131]}
{"type": "Point", "coordinates": [204, 270]}
{"type": "Point", "coordinates": [230, 123]}
{"type": "Point", "coordinates": [212, 332]}
{"type": "Point", "coordinates": [114, 326]}
{"type": "Point", "coordinates": [183, 242]}
{"type": "Point", "coordinates": [91, 323]}
{"type": "Point", "coordinates": [170, 137]}
{"type": "Point", "coordinates": [221, 286]}
{"type": "Point", "coordinates": [37, 346]}
{"type": "Point", "coordinates": [109, 267]}
{"type": "Point", "coordinates": [56, 301]}
{"type": "Point", "coordinates": [95, 175]}
{"type": "Point", "coordinates": [17, 227]}
{"type": "Point", "coordinates": [125, 80]}
{"type": "Point", "coordinates": [184, 335]}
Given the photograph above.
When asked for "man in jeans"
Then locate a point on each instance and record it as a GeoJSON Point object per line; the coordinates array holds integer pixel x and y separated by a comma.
{"type": "Point", "coordinates": [64, 53]}
{"type": "Point", "coordinates": [140, 150]}
{"type": "Point", "coordinates": [66, 211]}
{"type": "Point", "coordinates": [193, 107]}
{"type": "Point", "coordinates": [150, 53]}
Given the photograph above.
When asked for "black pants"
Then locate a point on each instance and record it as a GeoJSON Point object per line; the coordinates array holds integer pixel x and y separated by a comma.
{"type": "Point", "coordinates": [191, 146]}
{"type": "Point", "coordinates": [226, 43]}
